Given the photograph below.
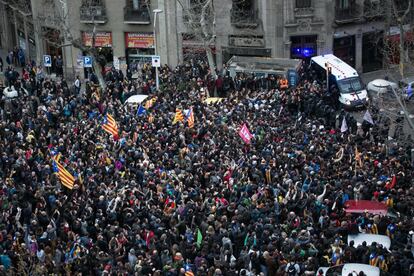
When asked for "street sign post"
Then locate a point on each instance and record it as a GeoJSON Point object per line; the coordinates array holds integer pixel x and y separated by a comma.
{"type": "Point", "coordinates": [47, 61]}
{"type": "Point", "coordinates": [156, 62]}
{"type": "Point", "coordinates": [87, 61]}
{"type": "Point", "coordinates": [117, 63]}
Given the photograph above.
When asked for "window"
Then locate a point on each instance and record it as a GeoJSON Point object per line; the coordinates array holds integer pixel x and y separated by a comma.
{"type": "Point", "coordinates": [344, 4]}
{"type": "Point", "coordinates": [92, 3]}
{"type": "Point", "coordinates": [137, 5]}
{"type": "Point", "coordinates": [350, 85]}
{"type": "Point", "coordinates": [300, 4]}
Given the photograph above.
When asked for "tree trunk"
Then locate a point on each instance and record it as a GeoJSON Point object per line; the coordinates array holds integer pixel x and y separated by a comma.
{"type": "Point", "coordinates": [402, 57]}
{"type": "Point", "coordinates": [211, 62]}
{"type": "Point", "coordinates": [98, 72]}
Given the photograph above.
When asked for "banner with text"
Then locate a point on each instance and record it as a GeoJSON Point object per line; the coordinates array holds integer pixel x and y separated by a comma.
{"type": "Point", "coordinates": [102, 39]}
{"type": "Point", "coordinates": [139, 40]}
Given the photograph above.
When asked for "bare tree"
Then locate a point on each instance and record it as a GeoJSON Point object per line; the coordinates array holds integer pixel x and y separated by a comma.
{"type": "Point", "coordinates": [60, 18]}
{"type": "Point", "coordinates": [397, 16]}
{"type": "Point", "coordinates": [200, 19]}
{"type": "Point", "coordinates": [400, 19]}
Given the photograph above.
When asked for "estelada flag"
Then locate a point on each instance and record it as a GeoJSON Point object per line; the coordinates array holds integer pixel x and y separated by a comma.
{"type": "Point", "coordinates": [65, 177]}
{"type": "Point", "coordinates": [109, 125]}
{"type": "Point", "coordinates": [245, 134]}
{"type": "Point", "coordinates": [190, 118]}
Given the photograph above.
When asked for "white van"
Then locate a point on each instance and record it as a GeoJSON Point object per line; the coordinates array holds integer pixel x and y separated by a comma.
{"type": "Point", "coordinates": [353, 269]}
{"type": "Point", "coordinates": [352, 92]}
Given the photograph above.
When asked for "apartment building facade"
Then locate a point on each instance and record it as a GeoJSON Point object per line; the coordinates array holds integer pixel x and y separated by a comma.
{"type": "Point", "coordinates": [123, 30]}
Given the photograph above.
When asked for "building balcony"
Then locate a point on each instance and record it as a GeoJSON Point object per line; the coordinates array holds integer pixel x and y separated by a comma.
{"type": "Point", "coordinates": [374, 9]}
{"type": "Point", "coordinates": [137, 16]}
{"type": "Point", "coordinates": [93, 14]}
{"type": "Point", "coordinates": [304, 12]}
{"type": "Point", "coordinates": [348, 15]}
{"type": "Point", "coordinates": [244, 18]}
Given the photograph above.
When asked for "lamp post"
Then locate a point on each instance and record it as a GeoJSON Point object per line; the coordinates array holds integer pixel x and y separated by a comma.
{"type": "Point", "coordinates": [156, 11]}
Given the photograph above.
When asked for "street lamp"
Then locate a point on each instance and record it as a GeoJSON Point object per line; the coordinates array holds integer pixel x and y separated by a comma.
{"type": "Point", "coordinates": [156, 11]}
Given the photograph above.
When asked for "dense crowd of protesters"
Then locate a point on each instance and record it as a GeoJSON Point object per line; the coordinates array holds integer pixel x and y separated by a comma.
{"type": "Point", "coordinates": [166, 199]}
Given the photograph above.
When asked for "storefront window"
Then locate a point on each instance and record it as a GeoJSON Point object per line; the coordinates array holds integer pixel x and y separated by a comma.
{"type": "Point", "coordinates": [140, 49]}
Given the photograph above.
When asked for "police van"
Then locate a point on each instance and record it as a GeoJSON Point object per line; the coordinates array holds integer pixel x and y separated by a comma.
{"type": "Point", "coordinates": [344, 78]}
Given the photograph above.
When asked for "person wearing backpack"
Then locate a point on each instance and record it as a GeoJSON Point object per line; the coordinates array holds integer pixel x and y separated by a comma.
{"type": "Point", "coordinates": [292, 269]}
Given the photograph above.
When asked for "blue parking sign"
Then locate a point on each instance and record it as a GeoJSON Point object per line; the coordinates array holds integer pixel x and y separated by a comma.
{"type": "Point", "coordinates": [47, 61]}
{"type": "Point", "coordinates": [87, 61]}
{"type": "Point", "coordinates": [292, 77]}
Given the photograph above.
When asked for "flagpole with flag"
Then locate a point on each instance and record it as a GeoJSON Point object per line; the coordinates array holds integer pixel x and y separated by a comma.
{"type": "Point", "coordinates": [190, 118]}
{"type": "Point", "coordinates": [199, 238]}
{"type": "Point", "coordinates": [368, 117]}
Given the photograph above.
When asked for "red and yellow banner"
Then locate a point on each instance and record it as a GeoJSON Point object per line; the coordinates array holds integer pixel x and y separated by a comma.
{"type": "Point", "coordinates": [139, 40]}
{"type": "Point", "coordinates": [102, 39]}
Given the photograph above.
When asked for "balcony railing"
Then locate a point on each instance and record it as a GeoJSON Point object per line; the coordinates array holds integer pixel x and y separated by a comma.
{"type": "Point", "coordinates": [93, 14]}
{"type": "Point", "coordinates": [244, 18]}
{"type": "Point", "coordinates": [348, 15]}
{"type": "Point", "coordinates": [140, 16]}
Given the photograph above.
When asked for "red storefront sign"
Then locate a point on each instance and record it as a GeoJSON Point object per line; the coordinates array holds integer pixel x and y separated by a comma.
{"type": "Point", "coordinates": [102, 39]}
{"type": "Point", "coordinates": [139, 40]}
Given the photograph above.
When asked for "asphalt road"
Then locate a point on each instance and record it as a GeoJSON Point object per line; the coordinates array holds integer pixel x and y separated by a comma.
{"type": "Point", "coordinates": [391, 110]}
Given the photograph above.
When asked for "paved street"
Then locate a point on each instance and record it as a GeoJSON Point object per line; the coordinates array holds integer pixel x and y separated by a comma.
{"type": "Point", "coordinates": [389, 109]}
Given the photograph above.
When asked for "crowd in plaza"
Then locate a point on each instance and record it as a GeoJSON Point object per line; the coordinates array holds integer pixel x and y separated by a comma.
{"type": "Point", "coordinates": [164, 198]}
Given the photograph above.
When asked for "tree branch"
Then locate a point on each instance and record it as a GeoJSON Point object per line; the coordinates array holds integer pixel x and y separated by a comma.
{"type": "Point", "coordinates": [406, 11]}
{"type": "Point", "coordinates": [203, 19]}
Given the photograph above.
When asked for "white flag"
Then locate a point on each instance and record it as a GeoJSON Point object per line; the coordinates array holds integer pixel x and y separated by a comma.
{"type": "Point", "coordinates": [344, 126]}
{"type": "Point", "coordinates": [280, 111]}
{"type": "Point", "coordinates": [368, 118]}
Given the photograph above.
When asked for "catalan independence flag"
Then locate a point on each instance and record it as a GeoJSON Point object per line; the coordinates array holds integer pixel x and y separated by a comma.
{"type": "Point", "coordinates": [179, 116]}
{"type": "Point", "coordinates": [55, 154]}
{"type": "Point", "coordinates": [65, 177]}
{"type": "Point", "coordinates": [190, 118]}
{"type": "Point", "coordinates": [109, 125]}
{"type": "Point", "coordinates": [150, 103]}
{"type": "Point", "coordinates": [150, 119]}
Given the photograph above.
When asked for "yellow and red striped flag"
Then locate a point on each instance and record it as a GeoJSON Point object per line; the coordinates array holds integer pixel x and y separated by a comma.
{"type": "Point", "coordinates": [179, 116]}
{"type": "Point", "coordinates": [109, 125]}
{"type": "Point", "coordinates": [150, 119]}
{"type": "Point", "coordinates": [150, 103]}
{"type": "Point", "coordinates": [65, 177]}
{"type": "Point", "coordinates": [190, 118]}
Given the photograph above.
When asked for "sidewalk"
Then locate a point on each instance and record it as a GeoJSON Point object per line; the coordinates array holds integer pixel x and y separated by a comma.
{"type": "Point", "coordinates": [3, 54]}
{"type": "Point", "coordinates": [392, 73]}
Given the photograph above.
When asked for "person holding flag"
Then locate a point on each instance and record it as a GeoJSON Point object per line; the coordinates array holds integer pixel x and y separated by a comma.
{"type": "Point", "coordinates": [190, 118]}
{"type": "Point", "coordinates": [150, 103]}
{"type": "Point", "coordinates": [65, 177]}
{"type": "Point", "coordinates": [178, 117]}
{"type": "Point", "coordinates": [141, 111]}
{"type": "Point", "coordinates": [110, 126]}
